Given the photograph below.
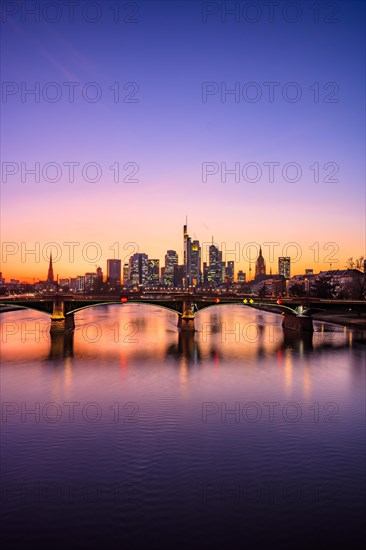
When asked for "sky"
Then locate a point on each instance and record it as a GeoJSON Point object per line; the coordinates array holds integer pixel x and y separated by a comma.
{"type": "Point", "coordinates": [250, 123]}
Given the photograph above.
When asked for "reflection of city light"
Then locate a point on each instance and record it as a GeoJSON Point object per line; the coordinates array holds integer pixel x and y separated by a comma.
{"type": "Point", "coordinates": [68, 373]}
{"type": "Point", "coordinates": [350, 339]}
{"type": "Point", "coordinates": [288, 368]}
{"type": "Point", "coordinates": [183, 372]}
{"type": "Point", "coordinates": [123, 362]}
{"type": "Point", "coordinates": [307, 380]}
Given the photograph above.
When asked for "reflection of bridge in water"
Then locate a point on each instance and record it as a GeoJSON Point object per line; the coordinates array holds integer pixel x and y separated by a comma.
{"type": "Point", "coordinates": [296, 312]}
{"type": "Point", "coordinates": [189, 346]}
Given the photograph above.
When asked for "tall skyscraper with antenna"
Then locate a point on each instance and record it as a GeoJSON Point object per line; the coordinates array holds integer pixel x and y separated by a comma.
{"type": "Point", "coordinates": [191, 260]}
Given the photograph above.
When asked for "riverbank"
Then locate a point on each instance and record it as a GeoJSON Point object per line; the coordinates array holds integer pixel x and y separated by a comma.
{"type": "Point", "coordinates": [4, 309]}
{"type": "Point", "coordinates": [350, 320]}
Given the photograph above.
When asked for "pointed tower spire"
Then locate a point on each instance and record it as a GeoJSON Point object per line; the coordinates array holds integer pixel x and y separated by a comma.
{"type": "Point", "coordinates": [50, 278]}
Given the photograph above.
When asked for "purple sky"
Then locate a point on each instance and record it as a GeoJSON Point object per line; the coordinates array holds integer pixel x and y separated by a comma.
{"type": "Point", "coordinates": [174, 125]}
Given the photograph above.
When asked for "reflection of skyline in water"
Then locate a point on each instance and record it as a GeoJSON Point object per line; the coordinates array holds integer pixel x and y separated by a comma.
{"type": "Point", "coordinates": [237, 358]}
{"type": "Point", "coordinates": [148, 338]}
{"type": "Point", "coordinates": [222, 333]}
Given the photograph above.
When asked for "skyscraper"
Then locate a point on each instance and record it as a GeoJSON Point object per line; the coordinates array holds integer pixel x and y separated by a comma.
{"type": "Point", "coordinates": [171, 260]}
{"type": "Point", "coordinates": [284, 266]}
{"type": "Point", "coordinates": [191, 260]}
{"type": "Point", "coordinates": [260, 264]}
{"type": "Point", "coordinates": [139, 269]}
{"type": "Point", "coordinates": [241, 277]}
{"type": "Point", "coordinates": [126, 273]}
{"type": "Point", "coordinates": [195, 271]}
{"type": "Point", "coordinates": [186, 257]}
{"type": "Point", "coordinates": [178, 275]}
{"type": "Point", "coordinates": [90, 279]}
{"type": "Point", "coordinates": [229, 272]}
{"type": "Point", "coordinates": [215, 268]}
{"type": "Point", "coordinates": [153, 268]}
{"type": "Point", "coordinates": [114, 272]}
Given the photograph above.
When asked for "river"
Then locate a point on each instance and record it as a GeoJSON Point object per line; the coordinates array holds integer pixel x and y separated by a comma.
{"type": "Point", "coordinates": [127, 429]}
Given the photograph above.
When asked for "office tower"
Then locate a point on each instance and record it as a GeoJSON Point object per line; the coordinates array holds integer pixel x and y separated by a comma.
{"type": "Point", "coordinates": [99, 274]}
{"type": "Point", "coordinates": [126, 273]}
{"type": "Point", "coordinates": [171, 260]}
{"type": "Point", "coordinates": [80, 283]}
{"type": "Point", "coordinates": [241, 277]}
{"type": "Point", "coordinates": [178, 276]}
{"type": "Point", "coordinates": [73, 284]}
{"type": "Point", "coordinates": [90, 279]}
{"type": "Point", "coordinates": [260, 264]}
{"type": "Point", "coordinates": [153, 268]}
{"type": "Point", "coordinates": [229, 273]}
{"type": "Point", "coordinates": [139, 269]}
{"type": "Point", "coordinates": [204, 273]}
{"type": "Point", "coordinates": [215, 268]}
{"type": "Point", "coordinates": [186, 257]}
{"type": "Point", "coordinates": [284, 266]}
{"type": "Point", "coordinates": [195, 268]}
{"type": "Point", "coordinates": [114, 272]}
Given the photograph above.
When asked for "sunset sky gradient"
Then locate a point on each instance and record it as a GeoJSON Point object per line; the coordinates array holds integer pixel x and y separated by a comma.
{"type": "Point", "coordinates": [169, 52]}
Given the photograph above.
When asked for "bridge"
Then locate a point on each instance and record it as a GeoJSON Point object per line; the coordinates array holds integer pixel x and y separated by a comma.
{"type": "Point", "coordinates": [297, 312]}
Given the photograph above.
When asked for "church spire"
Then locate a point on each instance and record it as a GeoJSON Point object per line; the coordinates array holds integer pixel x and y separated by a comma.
{"type": "Point", "coordinates": [50, 278]}
{"type": "Point", "coordinates": [260, 264]}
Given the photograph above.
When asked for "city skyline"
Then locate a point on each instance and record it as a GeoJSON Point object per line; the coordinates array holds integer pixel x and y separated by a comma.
{"type": "Point", "coordinates": [274, 263]}
{"type": "Point", "coordinates": [190, 140]}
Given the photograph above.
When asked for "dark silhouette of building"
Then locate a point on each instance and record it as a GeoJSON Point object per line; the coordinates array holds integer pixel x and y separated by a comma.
{"type": "Point", "coordinates": [260, 265]}
{"type": "Point", "coordinates": [114, 272]}
{"type": "Point", "coordinates": [50, 278]}
{"type": "Point", "coordinates": [191, 260]}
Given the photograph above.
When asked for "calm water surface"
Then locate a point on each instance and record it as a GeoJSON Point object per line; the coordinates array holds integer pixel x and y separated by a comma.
{"type": "Point", "coordinates": [128, 431]}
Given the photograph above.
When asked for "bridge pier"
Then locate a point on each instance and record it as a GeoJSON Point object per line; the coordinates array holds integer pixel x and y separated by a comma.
{"type": "Point", "coordinates": [59, 321]}
{"type": "Point", "coordinates": [70, 322]}
{"type": "Point", "coordinates": [57, 317]}
{"type": "Point", "coordinates": [298, 323]}
{"type": "Point", "coordinates": [62, 345]}
{"type": "Point", "coordinates": [186, 323]}
{"type": "Point", "coordinates": [186, 320]}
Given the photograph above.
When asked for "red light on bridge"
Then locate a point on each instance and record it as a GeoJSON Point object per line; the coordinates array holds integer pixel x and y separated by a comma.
{"type": "Point", "coordinates": [217, 300]}
{"type": "Point", "coordinates": [279, 302]}
{"type": "Point", "coordinates": [124, 299]}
